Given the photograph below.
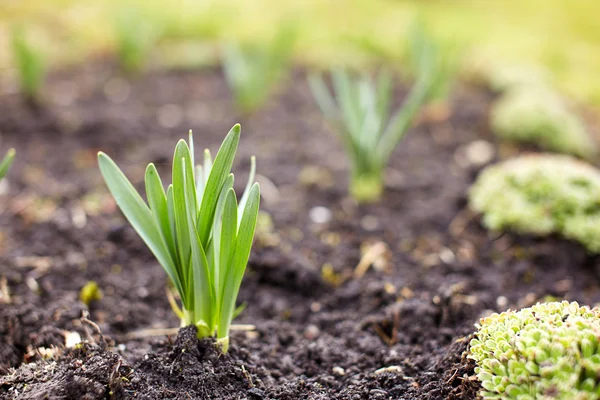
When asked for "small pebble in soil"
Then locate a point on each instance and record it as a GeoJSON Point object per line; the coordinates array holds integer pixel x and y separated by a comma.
{"type": "Point", "coordinates": [338, 371]}
{"type": "Point", "coordinates": [475, 154]}
{"type": "Point", "coordinates": [320, 215]}
{"type": "Point", "coordinates": [315, 306]}
{"type": "Point", "coordinates": [369, 223]}
{"type": "Point", "coordinates": [256, 393]}
{"type": "Point", "coordinates": [311, 332]}
{"type": "Point", "coordinates": [502, 302]}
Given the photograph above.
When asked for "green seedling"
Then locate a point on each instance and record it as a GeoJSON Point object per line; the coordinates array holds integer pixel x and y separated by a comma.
{"type": "Point", "coordinates": [90, 292]}
{"type": "Point", "coordinates": [253, 71]}
{"type": "Point", "coordinates": [538, 116]}
{"type": "Point", "coordinates": [360, 112]}
{"type": "Point", "coordinates": [30, 64]}
{"type": "Point", "coordinates": [548, 351]}
{"type": "Point", "coordinates": [6, 162]}
{"type": "Point", "coordinates": [196, 229]}
{"type": "Point", "coordinates": [135, 37]}
{"type": "Point", "coordinates": [423, 51]}
{"type": "Point", "coordinates": [541, 195]}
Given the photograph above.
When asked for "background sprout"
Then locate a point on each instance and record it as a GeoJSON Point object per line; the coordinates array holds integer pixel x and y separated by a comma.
{"type": "Point", "coordinates": [541, 195]}
{"type": "Point", "coordinates": [30, 64]}
{"type": "Point", "coordinates": [6, 162]}
{"type": "Point", "coordinates": [196, 229]}
{"type": "Point", "coordinates": [425, 51]}
{"type": "Point", "coordinates": [135, 36]}
{"type": "Point", "coordinates": [361, 114]}
{"type": "Point", "coordinates": [550, 350]}
{"type": "Point", "coordinates": [253, 71]}
{"type": "Point", "coordinates": [539, 116]}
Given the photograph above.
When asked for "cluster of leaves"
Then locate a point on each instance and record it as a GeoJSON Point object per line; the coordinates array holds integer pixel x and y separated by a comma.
{"type": "Point", "coordinates": [541, 195]}
{"type": "Point", "coordinates": [550, 350]}
{"type": "Point", "coordinates": [29, 62]}
{"type": "Point", "coordinates": [6, 162]}
{"type": "Point", "coordinates": [253, 71]}
{"type": "Point", "coordinates": [196, 229]}
{"type": "Point", "coordinates": [538, 116]}
{"type": "Point", "coordinates": [360, 110]}
{"type": "Point", "coordinates": [135, 36]}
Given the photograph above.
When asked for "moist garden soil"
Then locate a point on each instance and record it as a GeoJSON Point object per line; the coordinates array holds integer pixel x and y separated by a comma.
{"type": "Point", "coordinates": [399, 331]}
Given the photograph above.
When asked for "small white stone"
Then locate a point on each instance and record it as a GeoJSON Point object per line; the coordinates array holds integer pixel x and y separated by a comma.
{"type": "Point", "coordinates": [320, 215]}
{"type": "Point", "coordinates": [479, 152]}
{"type": "Point", "coordinates": [369, 223]}
{"type": "Point", "coordinates": [339, 371]}
{"type": "Point", "coordinates": [502, 302]}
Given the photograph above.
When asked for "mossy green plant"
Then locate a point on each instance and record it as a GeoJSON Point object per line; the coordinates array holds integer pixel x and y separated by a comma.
{"type": "Point", "coordinates": [541, 195]}
{"type": "Point", "coordinates": [539, 116]}
{"type": "Point", "coordinates": [548, 351]}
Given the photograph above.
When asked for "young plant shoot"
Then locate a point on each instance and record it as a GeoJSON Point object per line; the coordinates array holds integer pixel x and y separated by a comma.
{"type": "Point", "coordinates": [135, 36]}
{"type": "Point", "coordinates": [196, 229]}
{"type": "Point", "coordinates": [423, 49]}
{"type": "Point", "coordinates": [360, 111]}
{"type": "Point", "coordinates": [30, 64]}
{"type": "Point", "coordinates": [253, 71]}
{"type": "Point", "coordinates": [6, 163]}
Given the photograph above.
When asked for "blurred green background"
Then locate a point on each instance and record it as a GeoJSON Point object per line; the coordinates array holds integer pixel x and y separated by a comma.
{"type": "Point", "coordinates": [561, 35]}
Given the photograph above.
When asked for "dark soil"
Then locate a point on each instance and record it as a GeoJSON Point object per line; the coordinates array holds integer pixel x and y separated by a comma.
{"type": "Point", "coordinates": [398, 332]}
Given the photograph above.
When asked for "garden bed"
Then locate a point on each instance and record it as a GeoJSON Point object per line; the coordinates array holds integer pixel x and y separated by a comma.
{"type": "Point", "coordinates": [397, 332]}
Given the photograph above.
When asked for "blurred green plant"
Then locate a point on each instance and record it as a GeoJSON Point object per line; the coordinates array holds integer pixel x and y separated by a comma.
{"type": "Point", "coordinates": [424, 50]}
{"type": "Point", "coordinates": [538, 116]}
{"type": "Point", "coordinates": [30, 64]}
{"type": "Point", "coordinates": [548, 351]}
{"type": "Point", "coordinates": [541, 195]}
{"type": "Point", "coordinates": [253, 71]}
{"type": "Point", "coordinates": [90, 292]}
{"type": "Point", "coordinates": [500, 78]}
{"type": "Point", "coordinates": [135, 36]}
{"type": "Point", "coordinates": [6, 162]}
{"type": "Point", "coordinates": [197, 230]}
{"type": "Point", "coordinates": [360, 111]}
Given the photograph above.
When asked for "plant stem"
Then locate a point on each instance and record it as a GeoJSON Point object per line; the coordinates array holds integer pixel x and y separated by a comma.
{"type": "Point", "coordinates": [366, 187]}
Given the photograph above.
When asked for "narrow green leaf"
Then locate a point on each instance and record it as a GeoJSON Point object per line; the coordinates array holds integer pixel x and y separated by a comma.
{"type": "Point", "coordinates": [214, 248]}
{"type": "Point", "coordinates": [6, 162]}
{"type": "Point", "coordinates": [241, 254]}
{"type": "Point", "coordinates": [228, 239]}
{"type": "Point", "coordinates": [138, 214]}
{"type": "Point", "coordinates": [219, 172]}
{"type": "Point", "coordinates": [158, 205]}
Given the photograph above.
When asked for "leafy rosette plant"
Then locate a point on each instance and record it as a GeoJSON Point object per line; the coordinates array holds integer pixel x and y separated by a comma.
{"type": "Point", "coordinates": [548, 351]}
{"type": "Point", "coordinates": [6, 162]}
{"type": "Point", "coordinates": [540, 117]}
{"type": "Point", "coordinates": [196, 229]}
{"type": "Point", "coordinates": [541, 195]}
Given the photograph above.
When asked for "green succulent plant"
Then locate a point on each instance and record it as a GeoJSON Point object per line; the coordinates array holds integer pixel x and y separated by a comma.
{"type": "Point", "coordinates": [541, 195]}
{"type": "Point", "coordinates": [548, 351]}
{"type": "Point", "coordinates": [538, 116]}
{"type": "Point", "coordinates": [505, 77]}
{"type": "Point", "coordinates": [6, 162]}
